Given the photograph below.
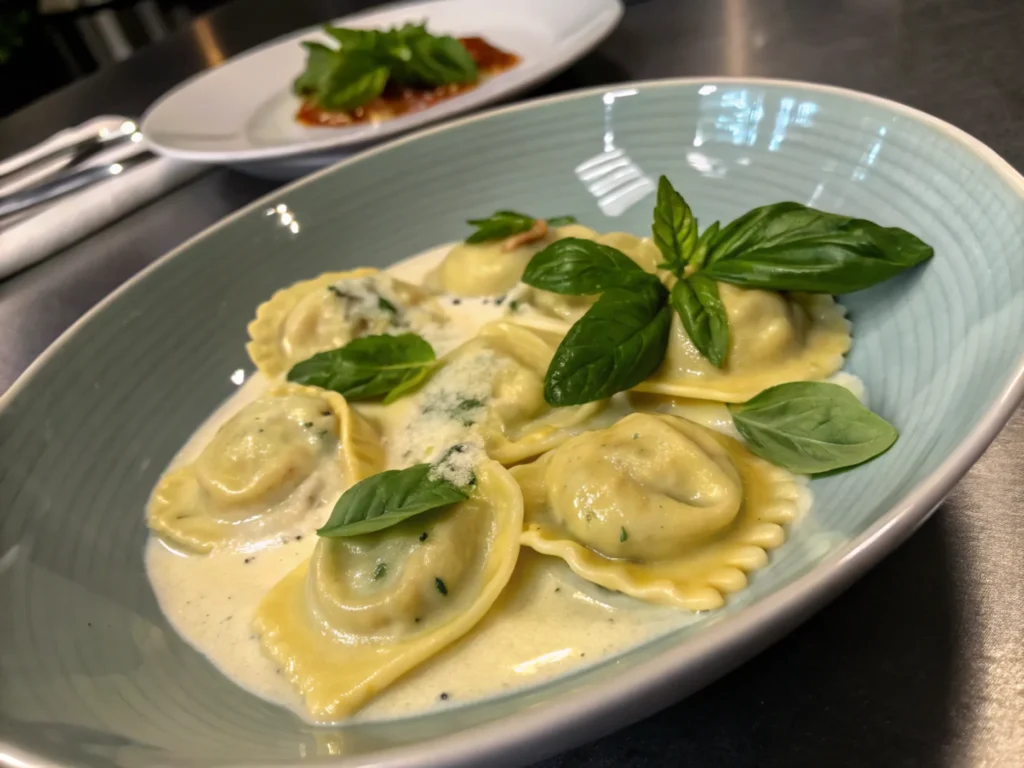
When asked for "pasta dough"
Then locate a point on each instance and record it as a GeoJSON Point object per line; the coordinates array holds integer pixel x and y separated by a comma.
{"type": "Point", "coordinates": [773, 338]}
{"type": "Point", "coordinates": [658, 508]}
{"type": "Point", "coordinates": [487, 269]}
{"type": "Point", "coordinates": [329, 311]}
{"type": "Point", "coordinates": [365, 610]}
{"type": "Point", "coordinates": [266, 468]}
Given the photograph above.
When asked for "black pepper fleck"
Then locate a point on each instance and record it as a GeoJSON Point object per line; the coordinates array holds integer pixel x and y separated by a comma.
{"type": "Point", "coordinates": [440, 586]}
{"type": "Point", "coordinates": [444, 696]}
{"type": "Point", "coordinates": [423, 536]}
{"type": "Point", "coordinates": [307, 424]}
{"type": "Point", "coordinates": [456, 302]}
{"type": "Point", "coordinates": [325, 413]}
{"type": "Point", "coordinates": [558, 589]}
{"type": "Point", "coordinates": [248, 560]}
{"type": "Point", "coordinates": [500, 300]}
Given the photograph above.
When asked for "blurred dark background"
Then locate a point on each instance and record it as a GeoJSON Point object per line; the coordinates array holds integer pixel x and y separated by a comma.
{"type": "Point", "coordinates": [45, 44]}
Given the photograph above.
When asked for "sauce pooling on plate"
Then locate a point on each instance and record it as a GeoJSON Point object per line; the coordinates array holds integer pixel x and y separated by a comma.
{"type": "Point", "coordinates": [546, 622]}
{"type": "Point", "coordinates": [515, 455]}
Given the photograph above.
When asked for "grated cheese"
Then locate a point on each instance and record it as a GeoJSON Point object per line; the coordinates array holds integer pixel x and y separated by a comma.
{"type": "Point", "coordinates": [444, 430]}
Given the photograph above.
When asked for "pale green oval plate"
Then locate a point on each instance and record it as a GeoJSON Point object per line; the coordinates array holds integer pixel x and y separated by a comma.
{"type": "Point", "coordinates": [91, 673]}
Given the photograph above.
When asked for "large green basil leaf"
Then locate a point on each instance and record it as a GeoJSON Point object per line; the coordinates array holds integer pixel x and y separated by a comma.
{"type": "Point", "coordinates": [618, 343]}
{"type": "Point", "coordinates": [386, 499]}
{"type": "Point", "coordinates": [357, 79]}
{"type": "Point", "coordinates": [674, 228]}
{"type": "Point", "coordinates": [320, 62]}
{"type": "Point", "coordinates": [440, 61]}
{"type": "Point", "coordinates": [696, 301]}
{"type": "Point", "coordinates": [790, 247]}
{"type": "Point", "coordinates": [811, 427]}
{"type": "Point", "coordinates": [577, 267]}
{"type": "Point", "coordinates": [369, 368]}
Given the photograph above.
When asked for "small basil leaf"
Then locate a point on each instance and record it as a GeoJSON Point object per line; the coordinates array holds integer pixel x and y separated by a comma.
{"type": "Point", "coordinates": [811, 426]}
{"type": "Point", "coordinates": [386, 499]}
{"type": "Point", "coordinates": [357, 79]}
{"type": "Point", "coordinates": [368, 368]}
{"type": "Point", "coordinates": [700, 253]}
{"type": "Point", "coordinates": [577, 267]}
{"type": "Point", "coordinates": [790, 247]}
{"type": "Point", "coordinates": [696, 301]}
{"type": "Point", "coordinates": [561, 221]}
{"type": "Point", "coordinates": [320, 62]}
{"type": "Point", "coordinates": [499, 225]}
{"type": "Point", "coordinates": [674, 228]}
{"type": "Point", "coordinates": [616, 345]}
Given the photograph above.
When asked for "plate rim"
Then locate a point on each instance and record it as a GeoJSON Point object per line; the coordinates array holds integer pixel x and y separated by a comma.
{"type": "Point", "coordinates": [571, 719]}
{"type": "Point", "coordinates": [551, 66]}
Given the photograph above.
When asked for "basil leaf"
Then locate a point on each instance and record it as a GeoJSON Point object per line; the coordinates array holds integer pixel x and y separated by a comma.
{"type": "Point", "coordinates": [674, 228]}
{"type": "Point", "coordinates": [357, 79]}
{"type": "Point", "coordinates": [790, 247]}
{"type": "Point", "coordinates": [811, 427]}
{"type": "Point", "coordinates": [439, 61]}
{"type": "Point", "coordinates": [369, 367]}
{"type": "Point", "coordinates": [386, 499]}
{"type": "Point", "coordinates": [499, 225]}
{"type": "Point", "coordinates": [700, 253]}
{"type": "Point", "coordinates": [561, 221]}
{"type": "Point", "coordinates": [616, 345]}
{"type": "Point", "coordinates": [696, 301]}
{"type": "Point", "coordinates": [358, 39]}
{"type": "Point", "coordinates": [577, 267]}
{"type": "Point", "coordinates": [320, 62]}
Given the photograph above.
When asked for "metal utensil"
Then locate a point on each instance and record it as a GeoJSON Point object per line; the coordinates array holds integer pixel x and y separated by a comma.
{"type": "Point", "coordinates": [41, 193]}
{"type": "Point", "coordinates": [80, 151]}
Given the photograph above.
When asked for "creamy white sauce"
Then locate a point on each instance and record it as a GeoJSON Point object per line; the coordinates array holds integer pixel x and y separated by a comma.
{"type": "Point", "coordinates": [546, 622]}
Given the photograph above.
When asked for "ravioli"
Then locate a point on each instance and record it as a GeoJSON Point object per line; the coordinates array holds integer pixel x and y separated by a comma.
{"type": "Point", "coordinates": [488, 269]}
{"type": "Point", "coordinates": [493, 385]}
{"type": "Point", "coordinates": [773, 338]}
{"type": "Point", "coordinates": [268, 467]}
{"type": "Point", "coordinates": [329, 311]}
{"type": "Point", "coordinates": [366, 610]}
{"type": "Point", "coordinates": [641, 250]}
{"type": "Point", "coordinates": [658, 508]}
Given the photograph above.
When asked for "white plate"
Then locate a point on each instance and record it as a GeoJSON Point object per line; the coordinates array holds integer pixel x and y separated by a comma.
{"type": "Point", "coordinates": [244, 111]}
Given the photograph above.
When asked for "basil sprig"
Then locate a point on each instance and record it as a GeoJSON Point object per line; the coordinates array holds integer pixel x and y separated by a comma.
{"type": "Point", "coordinates": [369, 368]}
{"type": "Point", "coordinates": [783, 247]}
{"type": "Point", "coordinates": [790, 247]}
{"type": "Point", "coordinates": [366, 60]}
{"type": "Point", "coordinates": [695, 299]}
{"type": "Point", "coordinates": [502, 224]}
{"type": "Point", "coordinates": [617, 344]}
{"type": "Point", "coordinates": [386, 499]}
{"type": "Point", "coordinates": [811, 427]}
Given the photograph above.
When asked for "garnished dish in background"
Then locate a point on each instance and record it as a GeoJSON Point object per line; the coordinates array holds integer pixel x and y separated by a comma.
{"type": "Point", "coordinates": [504, 458]}
{"type": "Point", "coordinates": [376, 75]}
